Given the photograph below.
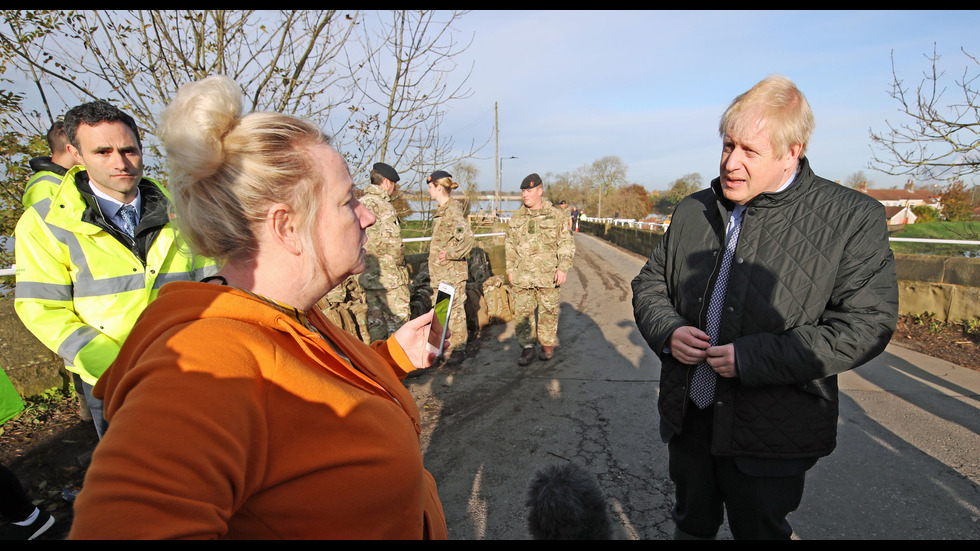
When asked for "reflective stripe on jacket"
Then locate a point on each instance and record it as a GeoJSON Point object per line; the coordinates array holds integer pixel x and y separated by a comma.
{"type": "Point", "coordinates": [47, 177]}
{"type": "Point", "coordinates": [81, 282]}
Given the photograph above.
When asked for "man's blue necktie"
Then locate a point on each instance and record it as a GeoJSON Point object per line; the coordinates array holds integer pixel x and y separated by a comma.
{"type": "Point", "coordinates": [703, 383]}
{"type": "Point", "coordinates": [128, 215]}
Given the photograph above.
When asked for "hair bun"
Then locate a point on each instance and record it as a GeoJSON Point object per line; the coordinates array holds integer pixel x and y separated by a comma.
{"type": "Point", "coordinates": [193, 126]}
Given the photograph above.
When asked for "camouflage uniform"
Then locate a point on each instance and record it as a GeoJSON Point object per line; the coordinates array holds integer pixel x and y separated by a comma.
{"type": "Point", "coordinates": [345, 306]}
{"type": "Point", "coordinates": [385, 277]}
{"type": "Point", "coordinates": [451, 232]}
{"type": "Point", "coordinates": [538, 244]}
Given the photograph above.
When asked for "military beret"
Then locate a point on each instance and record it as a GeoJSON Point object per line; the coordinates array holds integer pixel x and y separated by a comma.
{"type": "Point", "coordinates": [531, 181]}
{"type": "Point", "coordinates": [386, 171]}
{"type": "Point", "coordinates": [438, 175]}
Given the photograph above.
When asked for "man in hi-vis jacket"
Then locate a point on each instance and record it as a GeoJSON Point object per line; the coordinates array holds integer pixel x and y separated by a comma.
{"type": "Point", "coordinates": [91, 256]}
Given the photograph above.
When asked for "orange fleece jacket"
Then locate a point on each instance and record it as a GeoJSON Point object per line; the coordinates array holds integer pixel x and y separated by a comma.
{"type": "Point", "coordinates": [230, 419]}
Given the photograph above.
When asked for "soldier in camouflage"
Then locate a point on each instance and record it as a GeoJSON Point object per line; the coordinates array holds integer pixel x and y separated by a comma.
{"type": "Point", "coordinates": [385, 276]}
{"type": "Point", "coordinates": [539, 249]}
{"type": "Point", "coordinates": [346, 307]}
{"type": "Point", "coordinates": [452, 240]}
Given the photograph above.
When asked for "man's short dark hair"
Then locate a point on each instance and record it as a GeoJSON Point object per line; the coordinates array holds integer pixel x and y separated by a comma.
{"type": "Point", "coordinates": [94, 113]}
{"type": "Point", "coordinates": [57, 137]}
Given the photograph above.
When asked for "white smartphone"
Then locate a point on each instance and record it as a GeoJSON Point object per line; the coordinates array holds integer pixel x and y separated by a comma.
{"type": "Point", "coordinates": [445, 295]}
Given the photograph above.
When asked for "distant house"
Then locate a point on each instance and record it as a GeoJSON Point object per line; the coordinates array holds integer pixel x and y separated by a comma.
{"type": "Point", "coordinates": [899, 216]}
{"type": "Point", "coordinates": [899, 202]}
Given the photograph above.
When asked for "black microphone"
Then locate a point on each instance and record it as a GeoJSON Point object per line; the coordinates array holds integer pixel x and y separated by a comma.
{"type": "Point", "coordinates": [564, 503]}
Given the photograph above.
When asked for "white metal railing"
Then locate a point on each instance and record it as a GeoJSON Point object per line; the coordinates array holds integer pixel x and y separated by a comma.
{"type": "Point", "coordinates": [419, 239]}
{"type": "Point", "coordinates": [628, 222]}
{"type": "Point", "coordinates": [11, 271]}
{"type": "Point", "coordinates": [919, 240]}
{"type": "Point", "coordinates": [632, 223]}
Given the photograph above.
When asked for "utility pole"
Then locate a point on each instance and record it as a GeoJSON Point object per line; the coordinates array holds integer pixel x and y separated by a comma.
{"type": "Point", "coordinates": [496, 162]}
{"type": "Point", "coordinates": [601, 182]}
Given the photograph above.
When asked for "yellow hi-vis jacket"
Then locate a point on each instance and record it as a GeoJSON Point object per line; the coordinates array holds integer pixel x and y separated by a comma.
{"type": "Point", "coordinates": [82, 283]}
{"type": "Point", "coordinates": [45, 181]}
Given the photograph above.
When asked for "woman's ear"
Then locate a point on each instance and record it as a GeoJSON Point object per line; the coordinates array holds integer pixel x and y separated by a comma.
{"type": "Point", "coordinates": [282, 224]}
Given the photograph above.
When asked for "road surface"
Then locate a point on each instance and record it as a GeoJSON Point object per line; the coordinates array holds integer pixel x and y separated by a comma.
{"type": "Point", "coordinates": [907, 465]}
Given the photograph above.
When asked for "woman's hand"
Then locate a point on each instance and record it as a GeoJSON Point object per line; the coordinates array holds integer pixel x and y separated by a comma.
{"type": "Point", "coordinates": [413, 336]}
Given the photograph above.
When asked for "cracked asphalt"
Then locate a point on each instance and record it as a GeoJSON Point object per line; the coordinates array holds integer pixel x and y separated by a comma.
{"type": "Point", "coordinates": [906, 466]}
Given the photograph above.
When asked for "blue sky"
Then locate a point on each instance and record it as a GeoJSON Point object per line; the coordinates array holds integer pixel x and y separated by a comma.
{"type": "Point", "coordinates": [650, 86]}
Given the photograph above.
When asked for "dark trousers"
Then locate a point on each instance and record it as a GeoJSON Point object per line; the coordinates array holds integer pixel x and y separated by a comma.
{"type": "Point", "coordinates": [707, 486]}
{"type": "Point", "coordinates": [15, 506]}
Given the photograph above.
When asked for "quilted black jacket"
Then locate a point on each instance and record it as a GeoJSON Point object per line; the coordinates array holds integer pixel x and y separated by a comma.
{"type": "Point", "coordinates": [812, 293]}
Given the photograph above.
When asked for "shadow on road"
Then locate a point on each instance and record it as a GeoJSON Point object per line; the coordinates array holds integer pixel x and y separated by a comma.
{"type": "Point", "coordinates": [904, 473]}
{"type": "Point", "coordinates": [491, 424]}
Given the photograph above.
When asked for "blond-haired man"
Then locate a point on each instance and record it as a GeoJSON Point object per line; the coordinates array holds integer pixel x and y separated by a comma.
{"type": "Point", "coordinates": [764, 288]}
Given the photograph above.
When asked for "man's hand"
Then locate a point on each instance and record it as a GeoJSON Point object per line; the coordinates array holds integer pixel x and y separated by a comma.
{"type": "Point", "coordinates": [722, 360]}
{"type": "Point", "coordinates": [559, 277]}
{"type": "Point", "coordinates": [688, 344]}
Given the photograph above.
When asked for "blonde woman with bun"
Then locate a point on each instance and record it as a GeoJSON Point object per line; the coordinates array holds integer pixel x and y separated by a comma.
{"type": "Point", "coordinates": [452, 240]}
{"type": "Point", "coordinates": [237, 410]}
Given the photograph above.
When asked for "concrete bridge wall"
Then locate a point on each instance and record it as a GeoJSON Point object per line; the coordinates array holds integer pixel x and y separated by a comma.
{"type": "Point", "coordinates": [947, 287]}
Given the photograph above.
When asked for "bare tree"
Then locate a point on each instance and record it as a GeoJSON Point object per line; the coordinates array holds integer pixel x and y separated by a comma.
{"type": "Point", "coordinates": [287, 61]}
{"type": "Point", "coordinates": [564, 186]}
{"type": "Point", "coordinates": [25, 43]}
{"type": "Point", "coordinates": [412, 77]}
{"type": "Point", "coordinates": [379, 83]}
{"type": "Point", "coordinates": [589, 185]}
{"type": "Point", "coordinates": [605, 176]}
{"type": "Point", "coordinates": [941, 137]}
{"type": "Point", "coordinates": [855, 180]}
{"type": "Point", "coordinates": [465, 174]}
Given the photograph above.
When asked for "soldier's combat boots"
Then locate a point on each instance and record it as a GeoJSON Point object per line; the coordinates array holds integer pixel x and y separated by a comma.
{"type": "Point", "coordinates": [527, 356]}
{"type": "Point", "coordinates": [546, 352]}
